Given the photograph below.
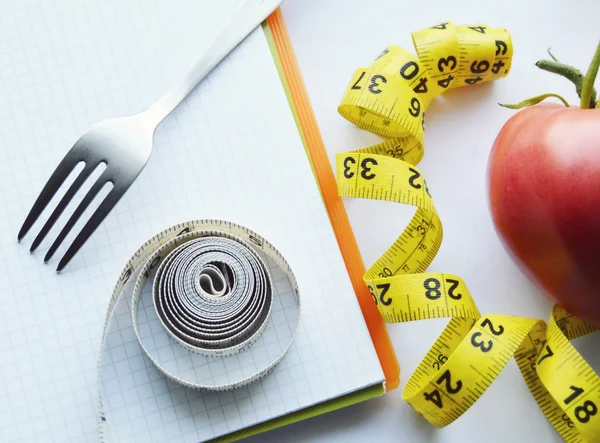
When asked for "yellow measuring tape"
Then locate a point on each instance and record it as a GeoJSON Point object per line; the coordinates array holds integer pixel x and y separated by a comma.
{"type": "Point", "coordinates": [389, 98]}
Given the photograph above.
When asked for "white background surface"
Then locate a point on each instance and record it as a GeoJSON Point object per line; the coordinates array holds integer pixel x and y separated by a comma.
{"type": "Point", "coordinates": [67, 64]}
{"type": "Point", "coordinates": [331, 39]}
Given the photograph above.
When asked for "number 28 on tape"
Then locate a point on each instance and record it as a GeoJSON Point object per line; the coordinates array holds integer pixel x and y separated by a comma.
{"type": "Point", "coordinates": [390, 98]}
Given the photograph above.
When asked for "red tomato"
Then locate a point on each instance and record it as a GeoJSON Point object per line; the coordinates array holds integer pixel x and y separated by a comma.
{"type": "Point", "coordinates": [544, 196]}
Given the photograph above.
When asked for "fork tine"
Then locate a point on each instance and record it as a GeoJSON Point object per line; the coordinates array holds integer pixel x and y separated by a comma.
{"type": "Point", "coordinates": [85, 173]}
{"type": "Point", "coordinates": [102, 180]}
{"type": "Point", "coordinates": [105, 207]}
{"type": "Point", "coordinates": [57, 178]}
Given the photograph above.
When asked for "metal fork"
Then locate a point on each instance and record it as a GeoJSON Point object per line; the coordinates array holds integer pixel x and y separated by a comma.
{"type": "Point", "coordinates": [124, 144]}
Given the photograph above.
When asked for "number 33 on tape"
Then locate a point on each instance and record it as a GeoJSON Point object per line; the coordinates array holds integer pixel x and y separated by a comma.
{"type": "Point", "coordinates": [390, 98]}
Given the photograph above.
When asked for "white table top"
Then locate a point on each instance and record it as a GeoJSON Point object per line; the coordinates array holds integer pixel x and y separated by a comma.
{"type": "Point", "coordinates": [333, 38]}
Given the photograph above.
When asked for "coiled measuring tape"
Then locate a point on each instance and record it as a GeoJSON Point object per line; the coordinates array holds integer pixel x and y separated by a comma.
{"type": "Point", "coordinates": [197, 293]}
{"type": "Point", "coordinates": [389, 98]}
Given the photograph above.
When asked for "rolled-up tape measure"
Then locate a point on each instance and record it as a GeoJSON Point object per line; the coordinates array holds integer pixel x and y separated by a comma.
{"type": "Point", "coordinates": [389, 98]}
{"type": "Point", "coordinates": [196, 294]}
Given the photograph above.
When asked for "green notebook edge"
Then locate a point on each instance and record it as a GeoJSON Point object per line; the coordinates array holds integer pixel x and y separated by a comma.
{"type": "Point", "coordinates": [312, 411]}
{"type": "Point", "coordinates": [343, 401]}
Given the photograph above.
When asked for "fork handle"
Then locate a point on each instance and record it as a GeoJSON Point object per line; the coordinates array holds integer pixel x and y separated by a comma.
{"type": "Point", "coordinates": [248, 15]}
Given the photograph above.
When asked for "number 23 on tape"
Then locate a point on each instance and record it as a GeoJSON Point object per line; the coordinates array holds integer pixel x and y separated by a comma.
{"type": "Point", "coordinates": [390, 98]}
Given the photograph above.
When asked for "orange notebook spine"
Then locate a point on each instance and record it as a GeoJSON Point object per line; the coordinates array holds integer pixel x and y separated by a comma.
{"type": "Point", "coordinates": [333, 202]}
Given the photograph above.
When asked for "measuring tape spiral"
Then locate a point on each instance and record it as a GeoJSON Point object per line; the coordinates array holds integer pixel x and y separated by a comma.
{"type": "Point", "coordinates": [389, 98]}
{"type": "Point", "coordinates": [212, 294]}
{"type": "Point", "coordinates": [198, 293]}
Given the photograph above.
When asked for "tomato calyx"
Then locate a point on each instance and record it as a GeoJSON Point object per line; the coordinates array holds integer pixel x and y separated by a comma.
{"type": "Point", "coordinates": [569, 72]}
{"type": "Point", "coordinates": [584, 84]}
{"type": "Point", "coordinates": [534, 101]}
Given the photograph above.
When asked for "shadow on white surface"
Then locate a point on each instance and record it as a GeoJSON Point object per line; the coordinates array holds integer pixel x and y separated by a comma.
{"type": "Point", "coordinates": [332, 39]}
{"type": "Point", "coordinates": [455, 100]}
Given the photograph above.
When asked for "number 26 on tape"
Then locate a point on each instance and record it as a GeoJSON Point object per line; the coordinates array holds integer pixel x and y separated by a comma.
{"type": "Point", "coordinates": [384, 287]}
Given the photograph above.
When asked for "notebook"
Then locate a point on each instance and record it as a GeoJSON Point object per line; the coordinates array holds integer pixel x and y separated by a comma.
{"type": "Point", "coordinates": [243, 147]}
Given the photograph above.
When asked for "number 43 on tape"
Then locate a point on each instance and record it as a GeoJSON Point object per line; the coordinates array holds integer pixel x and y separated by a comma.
{"type": "Point", "coordinates": [390, 98]}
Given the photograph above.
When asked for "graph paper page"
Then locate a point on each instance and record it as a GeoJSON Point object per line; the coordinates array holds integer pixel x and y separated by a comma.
{"type": "Point", "coordinates": [230, 151]}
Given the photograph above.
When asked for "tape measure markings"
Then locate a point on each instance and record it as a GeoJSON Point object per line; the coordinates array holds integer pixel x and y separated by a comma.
{"type": "Point", "coordinates": [167, 252]}
{"type": "Point", "coordinates": [390, 98]}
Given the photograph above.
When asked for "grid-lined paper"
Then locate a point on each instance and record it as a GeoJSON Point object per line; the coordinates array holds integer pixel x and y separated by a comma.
{"type": "Point", "coordinates": [230, 151]}
{"type": "Point", "coordinates": [138, 399]}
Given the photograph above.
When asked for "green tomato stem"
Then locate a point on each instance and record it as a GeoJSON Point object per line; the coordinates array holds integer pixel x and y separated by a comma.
{"type": "Point", "coordinates": [569, 72]}
{"type": "Point", "coordinates": [535, 101]}
{"type": "Point", "coordinates": [588, 82]}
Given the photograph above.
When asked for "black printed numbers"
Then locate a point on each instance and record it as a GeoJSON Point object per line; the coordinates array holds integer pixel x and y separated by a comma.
{"type": "Point", "coordinates": [576, 393]}
{"type": "Point", "coordinates": [480, 29]}
{"type": "Point", "coordinates": [501, 48]}
{"type": "Point", "coordinates": [480, 67]}
{"type": "Point", "coordinates": [485, 347]}
{"type": "Point", "coordinates": [476, 340]}
{"type": "Point", "coordinates": [153, 265]}
{"type": "Point", "coordinates": [415, 107]}
{"type": "Point", "coordinates": [348, 162]}
{"type": "Point", "coordinates": [184, 231]}
{"type": "Point", "coordinates": [489, 324]}
{"type": "Point", "coordinates": [548, 354]}
{"type": "Point", "coordinates": [373, 294]}
{"type": "Point", "coordinates": [415, 175]}
{"type": "Point", "coordinates": [473, 81]}
{"type": "Point", "coordinates": [425, 181]}
{"type": "Point", "coordinates": [440, 26]}
{"type": "Point", "coordinates": [584, 412]}
{"type": "Point", "coordinates": [451, 388]}
{"type": "Point", "coordinates": [355, 85]}
{"type": "Point", "coordinates": [385, 272]}
{"type": "Point", "coordinates": [366, 169]}
{"type": "Point", "coordinates": [366, 166]}
{"type": "Point", "coordinates": [453, 285]}
{"type": "Point", "coordinates": [448, 62]}
{"type": "Point", "coordinates": [445, 82]}
{"type": "Point", "coordinates": [127, 274]}
{"type": "Point", "coordinates": [567, 420]}
{"type": "Point", "coordinates": [440, 361]}
{"type": "Point", "coordinates": [376, 82]}
{"type": "Point", "coordinates": [396, 152]}
{"type": "Point", "coordinates": [257, 241]}
{"type": "Point", "coordinates": [434, 397]}
{"type": "Point", "coordinates": [409, 70]}
{"type": "Point", "coordinates": [384, 52]}
{"type": "Point", "coordinates": [384, 287]}
{"type": "Point", "coordinates": [421, 87]}
{"type": "Point", "coordinates": [496, 66]}
{"type": "Point", "coordinates": [432, 288]}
